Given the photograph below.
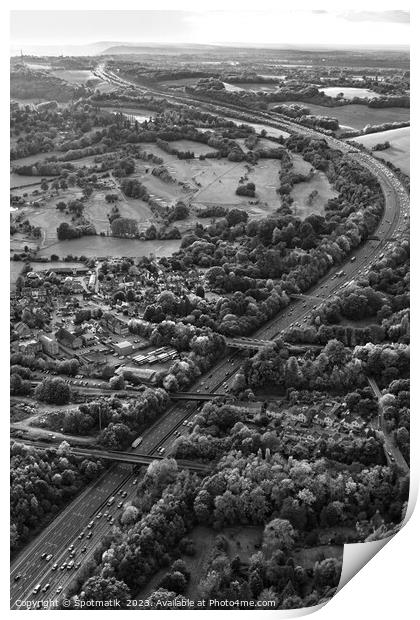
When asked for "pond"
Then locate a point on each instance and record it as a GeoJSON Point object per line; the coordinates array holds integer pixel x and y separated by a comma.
{"type": "Point", "coordinates": [97, 246]}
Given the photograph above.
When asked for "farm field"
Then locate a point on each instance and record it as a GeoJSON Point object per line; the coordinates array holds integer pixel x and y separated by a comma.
{"type": "Point", "coordinates": [399, 151]}
{"type": "Point", "coordinates": [219, 186]}
{"type": "Point", "coordinates": [356, 115]}
{"type": "Point", "coordinates": [74, 76]}
{"type": "Point", "coordinates": [214, 181]}
{"type": "Point", "coordinates": [97, 209]}
{"type": "Point", "coordinates": [110, 246]}
{"type": "Point", "coordinates": [303, 204]}
{"type": "Point", "coordinates": [18, 180]}
{"type": "Point", "coordinates": [259, 86]}
{"type": "Point", "coordinates": [349, 93]}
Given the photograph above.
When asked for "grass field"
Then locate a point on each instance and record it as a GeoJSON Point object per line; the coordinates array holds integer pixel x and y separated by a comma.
{"type": "Point", "coordinates": [74, 76]}
{"type": "Point", "coordinates": [349, 93]}
{"type": "Point", "coordinates": [399, 151]}
{"type": "Point", "coordinates": [302, 205]}
{"type": "Point", "coordinates": [111, 246]}
{"type": "Point", "coordinates": [356, 115]}
{"type": "Point", "coordinates": [268, 87]}
{"type": "Point", "coordinates": [97, 209]}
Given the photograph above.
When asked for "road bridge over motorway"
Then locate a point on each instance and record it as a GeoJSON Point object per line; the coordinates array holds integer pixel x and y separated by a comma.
{"type": "Point", "coordinates": [309, 297]}
{"type": "Point", "coordinates": [254, 344]}
{"type": "Point", "coordinates": [197, 395]}
{"type": "Point", "coordinates": [113, 455]}
{"type": "Point", "coordinates": [247, 343]}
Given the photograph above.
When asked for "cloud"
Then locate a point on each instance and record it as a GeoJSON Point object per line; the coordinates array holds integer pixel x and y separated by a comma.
{"type": "Point", "coordinates": [396, 17]}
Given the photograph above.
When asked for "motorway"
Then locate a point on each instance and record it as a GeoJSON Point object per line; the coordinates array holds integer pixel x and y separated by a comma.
{"type": "Point", "coordinates": [64, 530]}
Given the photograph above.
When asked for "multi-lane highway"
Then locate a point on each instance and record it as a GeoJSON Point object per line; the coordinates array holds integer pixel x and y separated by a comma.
{"type": "Point", "coordinates": [29, 569]}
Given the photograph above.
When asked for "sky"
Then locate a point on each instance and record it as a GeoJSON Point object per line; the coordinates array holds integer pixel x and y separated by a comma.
{"type": "Point", "coordinates": [289, 27]}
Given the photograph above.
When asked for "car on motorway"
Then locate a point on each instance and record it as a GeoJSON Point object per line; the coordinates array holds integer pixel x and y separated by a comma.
{"type": "Point", "coordinates": [120, 505]}
{"type": "Point", "coordinates": [36, 589]}
{"type": "Point", "coordinates": [72, 553]}
{"type": "Point", "coordinates": [54, 566]}
{"type": "Point", "coordinates": [43, 556]}
{"type": "Point", "coordinates": [135, 481]}
{"type": "Point", "coordinates": [70, 565]}
{"type": "Point", "coordinates": [83, 549]}
{"type": "Point", "coordinates": [48, 558]}
{"type": "Point", "coordinates": [59, 589]}
{"type": "Point", "coordinates": [63, 566]}
{"type": "Point", "coordinates": [18, 576]}
{"type": "Point", "coordinates": [106, 513]}
{"type": "Point", "coordinates": [99, 515]}
{"type": "Point", "coordinates": [71, 547]}
{"type": "Point", "coordinates": [77, 565]}
{"type": "Point", "coordinates": [112, 521]}
{"type": "Point", "coordinates": [46, 587]}
{"type": "Point", "coordinates": [89, 535]}
{"type": "Point", "coordinates": [81, 535]}
{"type": "Point", "coordinates": [124, 493]}
{"type": "Point", "coordinates": [91, 524]}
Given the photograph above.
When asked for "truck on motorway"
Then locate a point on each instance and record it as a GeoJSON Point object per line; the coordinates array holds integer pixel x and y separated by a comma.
{"type": "Point", "coordinates": [111, 501]}
{"type": "Point", "coordinates": [137, 442]}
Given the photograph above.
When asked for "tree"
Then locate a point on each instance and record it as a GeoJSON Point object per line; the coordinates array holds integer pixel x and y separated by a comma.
{"type": "Point", "coordinates": [108, 590]}
{"type": "Point", "coordinates": [124, 227]}
{"type": "Point", "coordinates": [117, 383]}
{"type": "Point", "coordinates": [327, 572]}
{"type": "Point", "coordinates": [175, 582]}
{"type": "Point", "coordinates": [278, 534]}
{"type": "Point", "coordinates": [53, 390]}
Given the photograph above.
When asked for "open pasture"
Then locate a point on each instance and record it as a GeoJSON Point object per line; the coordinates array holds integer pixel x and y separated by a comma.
{"type": "Point", "coordinates": [399, 151]}
{"type": "Point", "coordinates": [354, 115]}
{"type": "Point", "coordinates": [303, 204]}
{"type": "Point", "coordinates": [349, 93]}
{"type": "Point", "coordinates": [74, 76]}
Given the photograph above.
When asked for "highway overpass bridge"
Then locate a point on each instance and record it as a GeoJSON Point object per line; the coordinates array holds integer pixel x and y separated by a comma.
{"type": "Point", "coordinates": [133, 458]}
{"type": "Point", "coordinates": [197, 396]}
{"type": "Point", "coordinates": [316, 298]}
{"type": "Point", "coordinates": [254, 344]}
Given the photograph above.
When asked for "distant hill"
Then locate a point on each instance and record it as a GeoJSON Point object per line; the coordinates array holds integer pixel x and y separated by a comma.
{"type": "Point", "coordinates": [90, 49]}
{"type": "Point", "coordinates": [158, 48]}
